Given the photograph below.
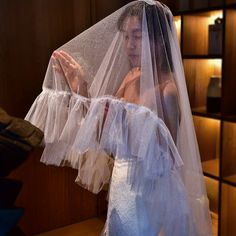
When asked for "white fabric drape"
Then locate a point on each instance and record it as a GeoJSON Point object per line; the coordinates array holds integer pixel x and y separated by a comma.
{"type": "Point", "coordinates": [116, 95]}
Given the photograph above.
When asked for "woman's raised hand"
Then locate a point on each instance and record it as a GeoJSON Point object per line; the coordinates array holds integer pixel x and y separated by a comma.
{"type": "Point", "coordinates": [66, 66]}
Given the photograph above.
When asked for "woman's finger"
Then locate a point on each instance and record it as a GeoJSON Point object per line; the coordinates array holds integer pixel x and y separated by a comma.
{"type": "Point", "coordinates": [73, 63]}
{"type": "Point", "coordinates": [57, 69]}
{"type": "Point", "coordinates": [68, 57]}
{"type": "Point", "coordinates": [61, 59]}
{"type": "Point", "coordinates": [56, 65]}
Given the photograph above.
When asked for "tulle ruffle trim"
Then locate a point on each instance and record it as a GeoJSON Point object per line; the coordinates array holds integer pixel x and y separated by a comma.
{"type": "Point", "coordinates": [89, 134]}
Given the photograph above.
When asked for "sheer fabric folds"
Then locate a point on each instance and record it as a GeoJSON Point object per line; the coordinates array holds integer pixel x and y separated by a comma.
{"type": "Point", "coordinates": [115, 107]}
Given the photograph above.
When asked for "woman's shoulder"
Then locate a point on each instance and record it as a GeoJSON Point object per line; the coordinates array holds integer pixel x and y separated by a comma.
{"type": "Point", "coordinates": [169, 90]}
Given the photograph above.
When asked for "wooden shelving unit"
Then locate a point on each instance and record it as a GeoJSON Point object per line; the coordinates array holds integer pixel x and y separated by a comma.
{"type": "Point", "coordinates": [216, 132]}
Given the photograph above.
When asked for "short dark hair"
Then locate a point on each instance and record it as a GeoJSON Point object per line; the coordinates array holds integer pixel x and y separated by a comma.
{"type": "Point", "coordinates": [158, 21]}
{"type": "Point", "coordinates": [132, 10]}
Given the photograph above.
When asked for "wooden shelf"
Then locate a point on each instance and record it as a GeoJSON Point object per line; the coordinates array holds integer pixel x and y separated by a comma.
{"type": "Point", "coordinates": [186, 56]}
{"type": "Point", "coordinates": [202, 112]}
{"type": "Point", "coordinates": [231, 179]}
{"type": "Point", "coordinates": [231, 118]}
{"type": "Point", "coordinates": [208, 136]}
{"type": "Point", "coordinates": [211, 167]}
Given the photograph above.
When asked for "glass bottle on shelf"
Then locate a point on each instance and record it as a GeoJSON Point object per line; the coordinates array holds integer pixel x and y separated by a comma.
{"type": "Point", "coordinates": [214, 94]}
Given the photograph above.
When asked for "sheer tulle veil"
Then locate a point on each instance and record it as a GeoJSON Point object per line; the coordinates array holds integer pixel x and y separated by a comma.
{"type": "Point", "coordinates": [116, 94]}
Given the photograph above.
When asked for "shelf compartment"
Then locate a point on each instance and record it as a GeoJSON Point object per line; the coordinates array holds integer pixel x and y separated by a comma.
{"type": "Point", "coordinates": [202, 111]}
{"type": "Point", "coordinates": [212, 187]}
{"type": "Point", "coordinates": [228, 204]}
{"type": "Point", "coordinates": [230, 118]}
{"type": "Point", "coordinates": [231, 179]}
{"type": "Point", "coordinates": [229, 152]}
{"type": "Point", "coordinates": [202, 56]}
{"type": "Point", "coordinates": [195, 34]}
{"type": "Point", "coordinates": [211, 167]}
{"type": "Point", "coordinates": [208, 137]}
{"type": "Point", "coordinates": [197, 74]}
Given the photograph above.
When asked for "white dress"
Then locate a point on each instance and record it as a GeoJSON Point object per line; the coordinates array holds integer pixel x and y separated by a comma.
{"type": "Point", "coordinates": [146, 195]}
{"type": "Point", "coordinates": [165, 212]}
{"type": "Point", "coordinates": [150, 199]}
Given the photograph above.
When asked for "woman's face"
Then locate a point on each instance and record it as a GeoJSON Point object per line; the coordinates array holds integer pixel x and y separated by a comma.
{"type": "Point", "coordinates": [132, 33]}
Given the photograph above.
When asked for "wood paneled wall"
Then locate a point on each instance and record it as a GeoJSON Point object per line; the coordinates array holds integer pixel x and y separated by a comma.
{"type": "Point", "coordinates": [50, 197]}
{"type": "Point", "coordinates": [30, 31]}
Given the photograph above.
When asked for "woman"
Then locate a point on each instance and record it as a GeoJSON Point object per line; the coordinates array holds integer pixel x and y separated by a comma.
{"type": "Point", "coordinates": [130, 25]}
{"type": "Point", "coordinates": [126, 97]}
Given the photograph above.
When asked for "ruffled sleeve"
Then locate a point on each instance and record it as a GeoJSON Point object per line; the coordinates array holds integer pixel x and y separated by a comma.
{"type": "Point", "coordinates": [89, 134]}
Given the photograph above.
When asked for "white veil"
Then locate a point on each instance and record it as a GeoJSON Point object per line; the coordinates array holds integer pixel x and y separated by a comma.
{"type": "Point", "coordinates": [117, 92]}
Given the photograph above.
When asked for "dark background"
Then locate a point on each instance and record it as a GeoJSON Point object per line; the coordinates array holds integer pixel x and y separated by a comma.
{"type": "Point", "coordinates": [30, 30]}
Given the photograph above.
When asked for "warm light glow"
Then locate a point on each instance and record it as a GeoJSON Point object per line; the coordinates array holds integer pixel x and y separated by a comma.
{"type": "Point", "coordinates": [212, 192]}
{"type": "Point", "coordinates": [216, 64]}
{"type": "Point", "coordinates": [214, 16]}
{"type": "Point", "coordinates": [212, 186]}
{"type": "Point", "coordinates": [178, 25]}
{"type": "Point", "coordinates": [177, 21]}
{"type": "Point", "coordinates": [212, 123]}
{"type": "Point", "coordinates": [217, 67]}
